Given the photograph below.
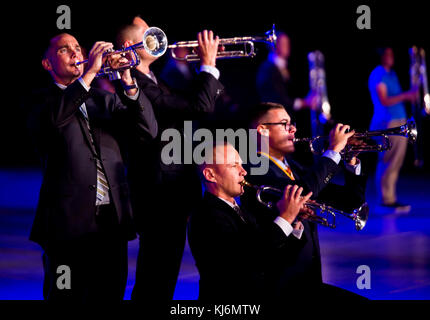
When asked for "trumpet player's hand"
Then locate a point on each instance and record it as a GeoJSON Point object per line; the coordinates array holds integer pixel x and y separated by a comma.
{"type": "Point", "coordinates": [208, 47]}
{"type": "Point", "coordinates": [351, 157]}
{"type": "Point", "coordinates": [292, 202]}
{"type": "Point", "coordinates": [95, 60]}
{"type": "Point", "coordinates": [338, 137]}
{"type": "Point", "coordinates": [306, 212]}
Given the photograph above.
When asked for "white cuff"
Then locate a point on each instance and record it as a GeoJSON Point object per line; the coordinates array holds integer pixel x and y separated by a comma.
{"type": "Point", "coordinates": [209, 69]}
{"type": "Point", "coordinates": [84, 84]}
{"type": "Point", "coordinates": [355, 169]}
{"type": "Point", "coordinates": [298, 232]}
{"type": "Point", "coordinates": [333, 155]}
{"type": "Point", "coordinates": [133, 97]}
{"type": "Point", "coordinates": [284, 225]}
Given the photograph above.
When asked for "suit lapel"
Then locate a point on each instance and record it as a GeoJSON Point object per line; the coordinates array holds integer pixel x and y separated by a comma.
{"type": "Point", "coordinates": [222, 206]}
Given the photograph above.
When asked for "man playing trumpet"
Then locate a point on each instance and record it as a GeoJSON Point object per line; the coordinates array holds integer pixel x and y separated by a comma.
{"type": "Point", "coordinates": [83, 218]}
{"type": "Point", "coordinates": [274, 125]}
{"type": "Point", "coordinates": [233, 253]}
{"type": "Point", "coordinates": [163, 232]}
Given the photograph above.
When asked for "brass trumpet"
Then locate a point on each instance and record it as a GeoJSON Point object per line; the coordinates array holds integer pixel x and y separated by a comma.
{"type": "Point", "coordinates": [408, 130]}
{"type": "Point", "coordinates": [154, 42]}
{"type": "Point", "coordinates": [326, 212]}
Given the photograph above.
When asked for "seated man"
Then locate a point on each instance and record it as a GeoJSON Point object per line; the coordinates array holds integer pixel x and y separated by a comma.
{"type": "Point", "coordinates": [232, 252]}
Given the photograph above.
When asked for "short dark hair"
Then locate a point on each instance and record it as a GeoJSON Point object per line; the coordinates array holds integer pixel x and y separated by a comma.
{"type": "Point", "coordinates": [259, 110]}
{"type": "Point", "coordinates": [48, 45]}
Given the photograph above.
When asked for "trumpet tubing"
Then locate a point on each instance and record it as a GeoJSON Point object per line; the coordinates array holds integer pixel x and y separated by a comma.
{"type": "Point", "coordinates": [326, 212]}
{"type": "Point", "coordinates": [154, 42]}
{"type": "Point", "coordinates": [247, 42]}
{"type": "Point", "coordinates": [407, 130]}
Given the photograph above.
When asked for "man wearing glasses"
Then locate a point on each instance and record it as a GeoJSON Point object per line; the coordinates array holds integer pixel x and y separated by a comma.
{"type": "Point", "coordinates": [273, 124]}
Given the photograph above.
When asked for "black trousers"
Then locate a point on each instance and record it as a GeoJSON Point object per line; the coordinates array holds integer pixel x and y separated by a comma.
{"type": "Point", "coordinates": [92, 268]}
{"type": "Point", "coordinates": [159, 257]}
{"type": "Point", "coordinates": [162, 236]}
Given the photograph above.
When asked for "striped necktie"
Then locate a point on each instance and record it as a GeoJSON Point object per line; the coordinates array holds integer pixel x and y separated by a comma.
{"type": "Point", "coordinates": [289, 172]}
{"type": "Point", "coordinates": [102, 194]}
{"type": "Point", "coordinates": [240, 213]}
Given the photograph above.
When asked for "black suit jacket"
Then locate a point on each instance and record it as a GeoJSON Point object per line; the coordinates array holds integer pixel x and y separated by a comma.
{"type": "Point", "coordinates": [66, 208]}
{"type": "Point", "coordinates": [272, 87]}
{"type": "Point", "coordinates": [180, 180]}
{"type": "Point", "coordinates": [306, 270]}
{"type": "Point", "coordinates": [234, 257]}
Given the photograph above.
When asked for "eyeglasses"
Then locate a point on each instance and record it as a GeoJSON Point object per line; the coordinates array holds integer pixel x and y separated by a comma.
{"type": "Point", "coordinates": [287, 126]}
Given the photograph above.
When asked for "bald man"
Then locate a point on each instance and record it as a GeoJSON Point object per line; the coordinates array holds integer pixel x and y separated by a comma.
{"type": "Point", "coordinates": [235, 255]}
{"type": "Point", "coordinates": [173, 189]}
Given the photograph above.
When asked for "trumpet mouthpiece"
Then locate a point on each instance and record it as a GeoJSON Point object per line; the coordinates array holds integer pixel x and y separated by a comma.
{"type": "Point", "coordinates": [246, 183]}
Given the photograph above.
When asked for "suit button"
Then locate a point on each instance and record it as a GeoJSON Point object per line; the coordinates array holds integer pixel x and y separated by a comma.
{"type": "Point", "coordinates": [93, 187]}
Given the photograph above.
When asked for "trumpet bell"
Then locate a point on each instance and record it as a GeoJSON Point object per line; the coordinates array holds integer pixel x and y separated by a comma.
{"type": "Point", "coordinates": [318, 144]}
{"type": "Point", "coordinates": [154, 42]}
{"type": "Point", "coordinates": [361, 215]}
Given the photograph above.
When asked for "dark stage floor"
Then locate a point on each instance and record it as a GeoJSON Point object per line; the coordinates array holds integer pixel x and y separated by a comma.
{"type": "Point", "coordinates": [395, 247]}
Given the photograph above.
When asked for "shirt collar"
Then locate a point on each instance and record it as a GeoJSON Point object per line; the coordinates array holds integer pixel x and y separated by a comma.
{"type": "Point", "coordinates": [233, 205]}
{"type": "Point", "coordinates": [61, 86]}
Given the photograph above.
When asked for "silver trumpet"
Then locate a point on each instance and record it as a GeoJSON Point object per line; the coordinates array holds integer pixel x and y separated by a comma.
{"type": "Point", "coordinates": [154, 42]}
{"type": "Point", "coordinates": [326, 214]}
{"type": "Point", "coordinates": [248, 50]}
{"type": "Point", "coordinates": [317, 144]}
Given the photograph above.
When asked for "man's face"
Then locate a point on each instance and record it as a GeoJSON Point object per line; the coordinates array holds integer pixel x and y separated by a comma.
{"type": "Point", "coordinates": [138, 36]}
{"type": "Point", "coordinates": [280, 140]}
{"type": "Point", "coordinates": [229, 174]}
{"type": "Point", "coordinates": [61, 59]}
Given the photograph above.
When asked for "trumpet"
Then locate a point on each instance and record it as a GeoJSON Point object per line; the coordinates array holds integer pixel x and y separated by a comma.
{"type": "Point", "coordinates": [154, 42]}
{"type": "Point", "coordinates": [317, 144]}
{"type": "Point", "coordinates": [326, 214]}
{"type": "Point", "coordinates": [247, 42]}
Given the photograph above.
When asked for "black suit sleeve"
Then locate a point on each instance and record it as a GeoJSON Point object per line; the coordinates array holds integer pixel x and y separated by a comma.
{"type": "Point", "coordinates": [63, 111]}
{"type": "Point", "coordinates": [317, 177]}
{"type": "Point", "coordinates": [347, 197]}
{"type": "Point", "coordinates": [136, 113]}
{"type": "Point", "coordinates": [202, 99]}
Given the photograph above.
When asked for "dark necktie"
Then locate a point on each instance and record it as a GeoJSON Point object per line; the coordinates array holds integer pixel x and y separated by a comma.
{"type": "Point", "coordinates": [240, 213]}
{"type": "Point", "coordinates": [102, 184]}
